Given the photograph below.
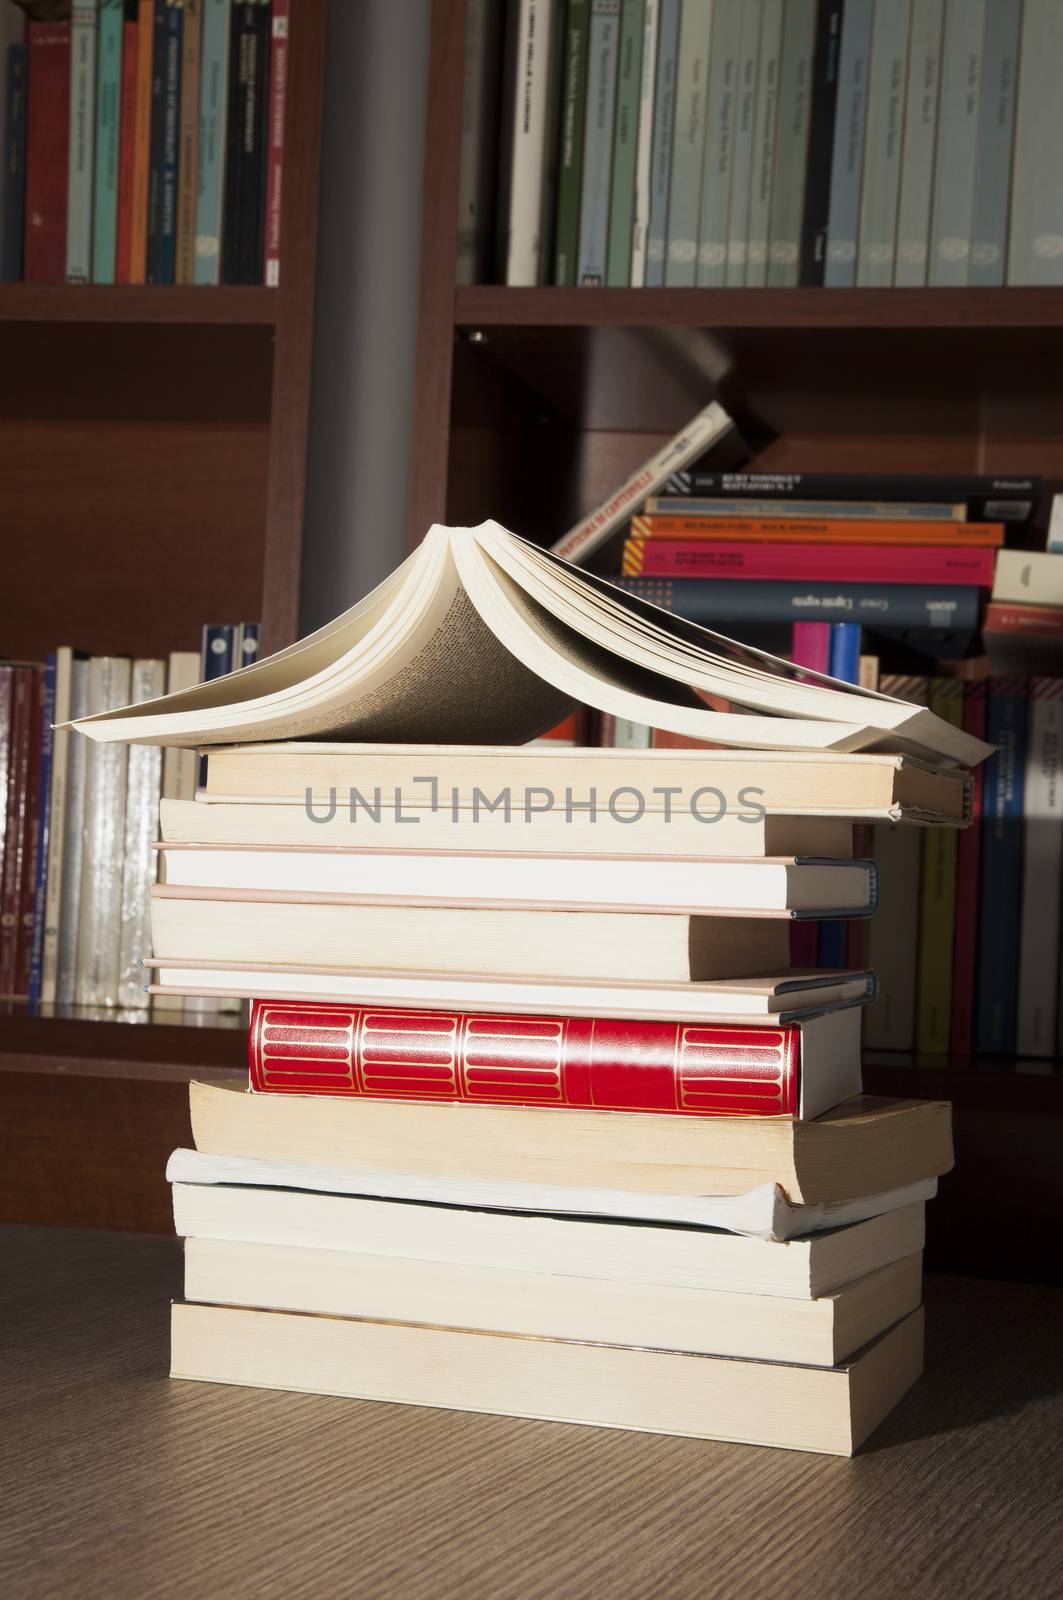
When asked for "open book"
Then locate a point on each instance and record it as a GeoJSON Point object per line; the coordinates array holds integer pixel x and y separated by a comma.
{"type": "Point", "coordinates": [482, 638]}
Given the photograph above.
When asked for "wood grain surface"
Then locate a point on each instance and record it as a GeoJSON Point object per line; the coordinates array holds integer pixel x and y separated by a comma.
{"type": "Point", "coordinates": [117, 1482]}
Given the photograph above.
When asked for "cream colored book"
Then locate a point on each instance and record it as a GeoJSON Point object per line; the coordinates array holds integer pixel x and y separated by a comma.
{"type": "Point", "coordinates": [730, 834]}
{"type": "Point", "coordinates": [863, 1147]}
{"type": "Point", "coordinates": [773, 886]}
{"type": "Point", "coordinates": [480, 636]}
{"type": "Point", "coordinates": [100, 908]}
{"type": "Point", "coordinates": [542, 1305]}
{"type": "Point", "coordinates": [830, 1410]}
{"type": "Point", "coordinates": [535, 781]}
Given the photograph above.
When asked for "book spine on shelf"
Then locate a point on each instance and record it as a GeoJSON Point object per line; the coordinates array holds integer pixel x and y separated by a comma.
{"type": "Point", "coordinates": [810, 646]}
{"type": "Point", "coordinates": [937, 923]}
{"type": "Point", "coordinates": [834, 510]}
{"type": "Point", "coordinates": [179, 767]}
{"type": "Point", "coordinates": [73, 843]}
{"type": "Point", "coordinates": [844, 651]}
{"type": "Point", "coordinates": [84, 24]}
{"type": "Point", "coordinates": [598, 142]}
{"type": "Point", "coordinates": [640, 223]}
{"type": "Point", "coordinates": [688, 143]}
{"type": "Point", "coordinates": [242, 233]}
{"type": "Point", "coordinates": [166, 152]}
{"type": "Point", "coordinates": [47, 151]}
{"type": "Point", "coordinates": [816, 217]}
{"type": "Point", "coordinates": [1035, 235]}
{"type": "Point", "coordinates": [531, 50]}
{"type": "Point", "coordinates": [145, 103]}
{"type": "Point", "coordinates": [573, 117]}
{"type": "Point", "coordinates": [717, 168]}
{"type": "Point", "coordinates": [847, 159]}
{"type": "Point", "coordinates": [1042, 868]}
{"type": "Point", "coordinates": [30, 837]}
{"type": "Point", "coordinates": [968, 852]}
{"type": "Point", "coordinates": [621, 216]}
{"type": "Point", "coordinates": [889, 1022]}
{"type": "Point", "coordinates": [882, 149]}
{"type": "Point", "coordinates": [694, 558]}
{"type": "Point", "coordinates": [278, 93]}
{"type": "Point", "coordinates": [765, 134]}
{"type": "Point", "coordinates": [7, 708]}
{"type": "Point", "coordinates": [813, 530]}
{"type": "Point", "coordinates": [954, 170]}
{"type": "Point", "coordinates": [920, 139]}
{"type": "Point", "coordinates": [478, 175]}
{"type": "Point", "coordinates": [108, 134]}
{"type": "Point", "coordinates": [188, 142]}
{"type": "Point", "coordinates": [212, 140]}
{"type": "Point", "coordinates": [791, 158]}
{"type": "Point", "coordinates": [143, 781]}
{"type": "Point", "coordinates": [604, 1063]}
{"type": "Point", "coordinates": [127, 130]}
{"type": "Point", "coordinates": [999, 919]}
{"type": "Point", "coordinates": [664, 94]}
{"type": "Point", "coordinates": [14, 139]}
{"type": "Point", "coordinates": [14, 860]}
{"type": "Point", "coordinates": [247, 642]}
{"type": "Point", "coordinates": [153, 222]}
{"type": "Point", "coordinates": [996, 131]}
{"type": "Point", "coordinates": [742, 167]}
{"type": "Point", "coordinates": [58, 791]}
{"type": "Point", "coordinates": [46, 747]}
{"type": "Point", "coordinates": [884, 605]}
{"type": "Point", "coordinates": [104, 828]}
{"type": "Point", "coordinates": [1004, 617]}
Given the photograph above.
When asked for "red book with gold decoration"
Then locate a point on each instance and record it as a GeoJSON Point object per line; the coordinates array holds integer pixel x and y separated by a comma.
{"type": "Point", "coordinates": [605, 1064]}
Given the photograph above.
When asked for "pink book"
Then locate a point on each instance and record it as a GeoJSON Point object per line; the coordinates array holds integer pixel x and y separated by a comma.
{"type": "Point", "coordinates": [862, 563]}
{"type": "Point", "coordinates": [810, 646]}
{"type": "Point", "coordinates": [968, 854]}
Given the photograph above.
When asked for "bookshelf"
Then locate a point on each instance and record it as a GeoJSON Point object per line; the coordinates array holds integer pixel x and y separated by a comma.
{"type": "Point", "coordinates": [532, 403]}
{"type": "Point", "coordinates": [152, 448]}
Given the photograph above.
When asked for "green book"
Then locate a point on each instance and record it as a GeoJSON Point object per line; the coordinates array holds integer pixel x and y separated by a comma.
{"type": "Point", "coordinates": [788, 182]}
{"type": "Point", "coordinates": [108, 103]}
{"type": "Point", "coordinates": [719, 143]}
{"type": "Point", "coordinates": [570, 162]}
{"type": "Point", "coordinates": [765, 128]}
{"type": "Point", "coordinates": [688, 144]}
{"type": "Point", "coordinates": [937, 919]}
{"type": "Point", "coordinates": [625, 144]}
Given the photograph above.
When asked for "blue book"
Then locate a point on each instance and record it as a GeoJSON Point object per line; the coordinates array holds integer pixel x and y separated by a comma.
{"type": "Point", "coordinates": [938, 608]}
{"type": "Point", "coordinates": [845, 651]}
{"type": "Point", "coordinates": [14, 196]}
{"type": "Point", "coordinates": [1000, 879]}
{"type": "Point", "coordinates": [108, 116]}
{"type": "Point", "coordinates": [162, 162]}
{"type": "Point", "coordinates": [247, 635]}
{"type": "Point", "coordinates": [217, 657]}
{"type": "Point", "coordinates": [43, 832]}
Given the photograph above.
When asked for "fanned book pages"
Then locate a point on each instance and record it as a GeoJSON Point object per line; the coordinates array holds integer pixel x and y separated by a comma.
{"type": "Point", "coordinates": [481, 637]}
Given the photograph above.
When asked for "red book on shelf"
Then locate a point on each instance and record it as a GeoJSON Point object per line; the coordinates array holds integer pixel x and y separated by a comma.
{"type": "Point", "coordinates": [278, 84]}
{"type": "Point", "coordinates": [606, 1064]}
{"type": "Point", "coordinates": [19, 742]}
{"type": "Point", "coordinates": [123, 270]}
{"type": "Point", "coordinates": [1004, 617]}
{"type": "Point", "coordinates": [30, 826]}
{"type": "Point", "coordinates": [47, 151]}
{"type": "Point", "coordinates": [857, 563]}
{"type": "Point", "coordinates": [968, 860]}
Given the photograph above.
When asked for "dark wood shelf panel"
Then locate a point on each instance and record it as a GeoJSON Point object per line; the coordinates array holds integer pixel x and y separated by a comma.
{"type": "Point", "coordinates": [973, 310]}
{"type": "Point", "coordinates": [162, 304]}
{"type": "Point", "coordinates": [77, 1046]}
{"type": "Point", "coordinates": [994, 1083]}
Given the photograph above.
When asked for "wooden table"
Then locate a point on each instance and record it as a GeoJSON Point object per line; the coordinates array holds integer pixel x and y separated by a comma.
{"type": "Point", "coordinates": [117, 1482]}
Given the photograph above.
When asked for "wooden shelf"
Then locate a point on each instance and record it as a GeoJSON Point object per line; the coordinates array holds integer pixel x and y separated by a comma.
{"type": "Point", "coordinates": [77, 1046]}
{"type": "Point", "coordinates": [972, 310]}
{"type": "Point", "coordinates": [251, 305]}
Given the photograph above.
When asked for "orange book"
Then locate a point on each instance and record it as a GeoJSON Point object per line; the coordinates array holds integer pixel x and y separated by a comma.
{"type": "Point", "coordinates": [810, 530]}
{"type": "Point", "coordinates": [138, 244]}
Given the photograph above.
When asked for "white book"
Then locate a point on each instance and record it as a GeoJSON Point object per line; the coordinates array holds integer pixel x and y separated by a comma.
{"type": "Point", "coordinates": [529, 140]}
{"type": "Point", "coordinates": [104, 839]}
{"type": "Point", "coordinates": [84, 23]}
{"type": "Point", "coordinates": [1029, 577]}
{"type": "Point", "coordinates": [1042, 871]}
{"type": "Point", "coordinates": [62, 738]}
{"type": "Point", "coordinates": [143, 779]}
{"type": "Point", "coordinates": [73, 834]}
{"type": "Point", "coordinates": [640, 228]}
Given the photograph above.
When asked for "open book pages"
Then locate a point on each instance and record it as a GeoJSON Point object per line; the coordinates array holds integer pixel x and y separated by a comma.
{"type": "Point", "coordinates": [482, 638]}
{"type": "Point", "coordinates": [764, 1211]}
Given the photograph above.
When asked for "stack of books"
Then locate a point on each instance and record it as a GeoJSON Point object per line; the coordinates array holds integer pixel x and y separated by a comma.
{"type": "Point", "coordinates": [542, 1122]}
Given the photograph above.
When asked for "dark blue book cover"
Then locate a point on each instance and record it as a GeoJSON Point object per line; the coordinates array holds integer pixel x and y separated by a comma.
{"type": "Point", "coordinates": [217, 657]}
{"type": "Point", "coordinates": [43, 832]}
{"type": "Point", "coordinates": [821, 141]}
{"type": "Point", "coordinates": [952, 608]}
{"type": "Point", "coordinates": [845, 651]}
{"type": "Point", "coordinates": [14, 197]}
{"type": "Point", "coordinates": [166, 246]}
{"type": "Point", "coordinates": [1000, 877]}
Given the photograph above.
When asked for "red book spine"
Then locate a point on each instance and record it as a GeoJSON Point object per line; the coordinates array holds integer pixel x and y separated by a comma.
{"type": "Point", "coordinates": [873, 563]}
{"type": "Point", "coordinates": [1003, 617]}
{"type": "Point", "coordinates": [123, 270]}
{"type": "Point", "coordinates": [610, 1065]}
{"type": "Point", "coordinates": [278, 84]}
{"type": "Point", "coordinates": [47, 151]}
{"type": "Point", "coordinates": [968, 860]}
{"type": "Point", "coordinates": [30, 834]}
{"type": "Point", "coordinates": [14, 829]}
